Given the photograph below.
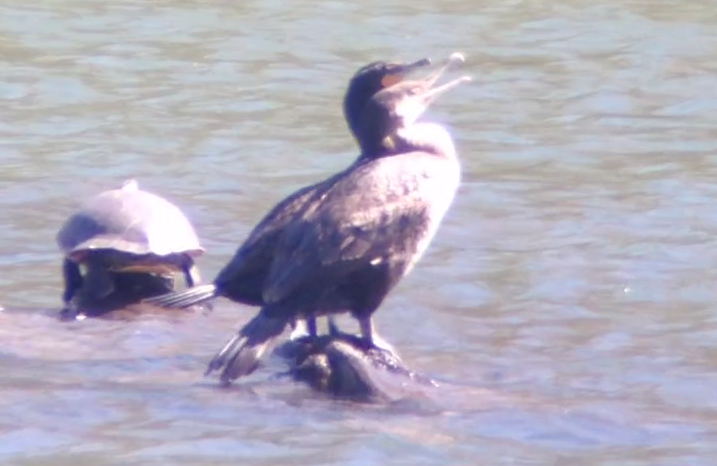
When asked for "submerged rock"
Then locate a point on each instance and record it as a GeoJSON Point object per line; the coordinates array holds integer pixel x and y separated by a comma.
{"type": "Point", "coordinates": [340, 365]}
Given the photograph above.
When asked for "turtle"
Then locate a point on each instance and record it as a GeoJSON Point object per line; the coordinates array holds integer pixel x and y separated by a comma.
{"type": "Point", "coordinates": [124, 245]}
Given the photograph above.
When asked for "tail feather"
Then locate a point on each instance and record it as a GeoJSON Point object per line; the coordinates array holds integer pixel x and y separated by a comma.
{"type": "Point", "coordinates": [185, 298]}
{"type": "Point", "coordinates": [241, 355]}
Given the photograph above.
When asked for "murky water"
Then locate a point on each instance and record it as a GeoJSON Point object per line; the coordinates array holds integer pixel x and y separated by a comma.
{"type": "Point", "coordinates": [568, 297]}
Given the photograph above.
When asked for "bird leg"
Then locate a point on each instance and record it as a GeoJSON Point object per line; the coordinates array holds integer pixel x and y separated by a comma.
{"type": "Point", "coordinates": [311, 326]}
{"type": "Point", "coordinates": [367, 330]}
{"type": "Point", "coordinates": [373, 339]}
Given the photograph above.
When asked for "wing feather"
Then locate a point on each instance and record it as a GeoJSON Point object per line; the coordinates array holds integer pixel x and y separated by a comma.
{"type": "Point", "coordinates": [372, 212]}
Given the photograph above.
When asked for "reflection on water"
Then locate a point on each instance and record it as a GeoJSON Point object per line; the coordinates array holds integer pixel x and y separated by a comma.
{"type": "Point", "coordinates": [566, 303]}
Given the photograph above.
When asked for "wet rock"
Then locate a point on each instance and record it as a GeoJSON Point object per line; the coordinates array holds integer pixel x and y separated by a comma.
{"type": "Point", "coordinates": [341, 366]}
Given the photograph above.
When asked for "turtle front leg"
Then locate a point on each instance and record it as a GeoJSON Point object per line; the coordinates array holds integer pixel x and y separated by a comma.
{"type": "Point", "coordinates": [192, 278]}
{"type": "Point", "coordinates": [73, 280]}
{"type": "Point", "coordinates": [191, 274]}
{"type": "Point", "coordinates": [189, 270]}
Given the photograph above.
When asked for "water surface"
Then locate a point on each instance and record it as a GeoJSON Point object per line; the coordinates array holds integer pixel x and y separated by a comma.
{"type": "Point", "coordinates": [566, 303]}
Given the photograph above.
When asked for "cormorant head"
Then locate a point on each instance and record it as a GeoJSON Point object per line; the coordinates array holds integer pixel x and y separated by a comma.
{"type": "Point", "coordinates": [398, 107]}
{"type": "Point", "coordinates": [370, 79]}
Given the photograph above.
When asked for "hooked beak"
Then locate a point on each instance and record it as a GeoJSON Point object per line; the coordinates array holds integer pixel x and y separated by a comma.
{"type": "Point", "coordinates": [401, 71]}
{"type": "Point", "coordinates": [456, 58]}
{"type": "Point", "coordinates": [431, 93]}
{"type": "Point", "coordinates": [416, 64]}
{"type": "Point", "coordinates": [416, 96]}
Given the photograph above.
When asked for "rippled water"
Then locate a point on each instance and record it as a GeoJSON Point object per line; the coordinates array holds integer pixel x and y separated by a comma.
{"type": "Point", "coordinates": [567, 300]}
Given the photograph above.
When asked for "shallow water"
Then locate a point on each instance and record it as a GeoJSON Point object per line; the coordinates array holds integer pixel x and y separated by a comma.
{"type": "Point", "coordinates": [566, 304]}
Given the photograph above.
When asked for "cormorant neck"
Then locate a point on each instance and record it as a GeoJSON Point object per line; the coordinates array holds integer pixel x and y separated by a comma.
{"type": "Point", "coordinates": [380, 145]}
{"type": "Point", "coordinates": [375, 135]}
{"type": "Point", "coordinates": [425, 137]}
{"type": "Point", "coordinates": [350, 114]}
{"type": "Point", "coordinates": [355, 99]}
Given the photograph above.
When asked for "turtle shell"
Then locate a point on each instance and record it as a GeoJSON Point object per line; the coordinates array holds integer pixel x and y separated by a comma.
{"type": "Point", "coordinates": [129, 220]}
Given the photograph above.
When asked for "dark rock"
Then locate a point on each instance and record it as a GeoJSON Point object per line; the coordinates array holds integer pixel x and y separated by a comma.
{"type": "Point", "coordinates": [342, 366]}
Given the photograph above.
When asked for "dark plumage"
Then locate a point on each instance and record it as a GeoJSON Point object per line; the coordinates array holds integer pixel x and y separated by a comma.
{"type": "Point", "coordinates": [360, 231]}
{"type": "Point", "coordinates": [242, 279]}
